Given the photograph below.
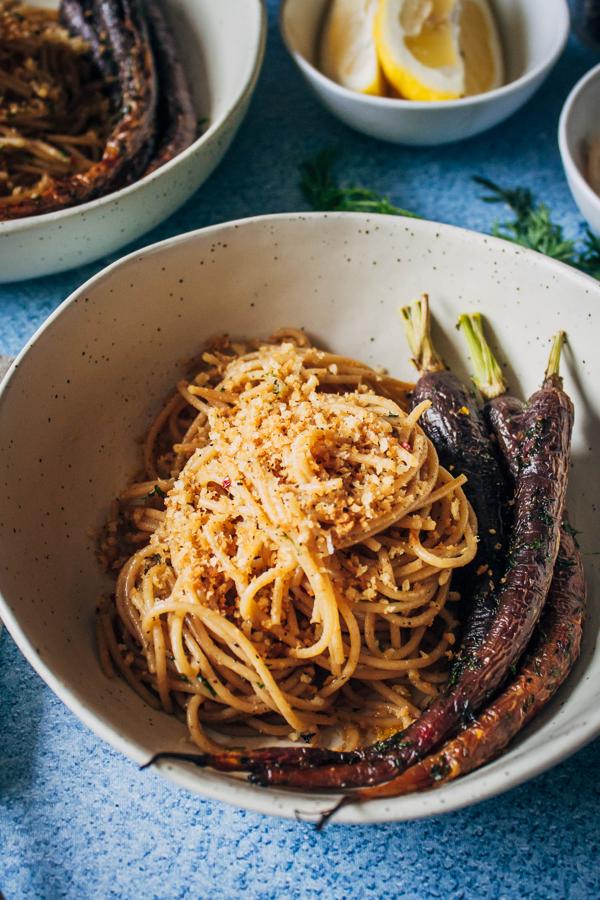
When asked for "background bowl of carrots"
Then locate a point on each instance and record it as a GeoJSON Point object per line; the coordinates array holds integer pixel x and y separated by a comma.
{"type": "Point", "coordinates": [221, 46]}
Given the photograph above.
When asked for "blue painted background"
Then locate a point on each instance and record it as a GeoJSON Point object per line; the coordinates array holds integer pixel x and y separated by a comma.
{"type": "Point", "coordinates": [79, 821]}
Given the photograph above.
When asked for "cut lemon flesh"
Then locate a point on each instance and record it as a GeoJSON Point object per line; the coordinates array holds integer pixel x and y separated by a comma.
{"type": "Point", "coordinates": [480, 47]}
{"type": "Point", "coordinates": [434, 43]}
{"type": "Point", "coordinates": [348, 53]}
{"type": "Point", "coordinates": [438, 49]}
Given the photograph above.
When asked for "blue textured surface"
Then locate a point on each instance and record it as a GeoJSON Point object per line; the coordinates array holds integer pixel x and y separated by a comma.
{"type": "Point", "coordinates": [77, 820]}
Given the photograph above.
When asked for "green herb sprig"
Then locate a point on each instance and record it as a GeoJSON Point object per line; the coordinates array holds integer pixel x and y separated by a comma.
{"type": "Point", "coordinates": [156, 491]}
{"type": "Point", "coordinates": [206, 683]}
{"type": "Point", "coordinates": [325, 194]}
{"type": "Point", "coordinates": [534, 227]}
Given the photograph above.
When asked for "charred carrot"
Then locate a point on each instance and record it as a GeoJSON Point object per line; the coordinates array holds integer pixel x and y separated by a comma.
{"type": "Point", "coordinates": [557, 639]}
{"type": "Point", "coordinates": [455, 424]}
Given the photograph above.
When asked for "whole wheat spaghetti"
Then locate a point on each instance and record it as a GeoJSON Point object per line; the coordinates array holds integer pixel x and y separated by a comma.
{"type": "Point", "coordinates": [285, 560]}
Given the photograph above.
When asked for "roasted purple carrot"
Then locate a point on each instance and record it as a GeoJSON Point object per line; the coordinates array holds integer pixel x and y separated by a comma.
{"type": "Point", "coordinates": [257, 760]}
{"type": "Point", "coordinates": [126, 26]}
{"type": "Point", "coordinates": [177, 122]}
{"type": "Point", "coordinates": [77, 16]}
{"type": "Point", "coordinates": [454, 423]}
{"type": "Point", "coordinates": [557, 638]}
{"type": "Point", "coordinates": [502, 412]}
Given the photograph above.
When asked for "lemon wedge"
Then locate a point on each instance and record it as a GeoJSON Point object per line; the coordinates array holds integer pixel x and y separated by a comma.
{"type": "Point", "coordinates": [480, 48]}
{"type": "Point", "coordinates": [438, 49]}
{"type": "Point", "coordinates": [348, 53]}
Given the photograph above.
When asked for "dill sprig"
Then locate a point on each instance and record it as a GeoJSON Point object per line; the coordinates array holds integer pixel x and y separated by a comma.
{"type": "Point", "coordinates": [324, 193]}
{"type": "Point", "coordinates": [534, 227]}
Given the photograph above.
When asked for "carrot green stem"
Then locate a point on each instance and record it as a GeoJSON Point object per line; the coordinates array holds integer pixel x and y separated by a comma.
{"type": "Point", "coordinates": [417, 325]}
{"type": "Point", "coordinates": [488, 375]}
{"type": "Point", "coordinates": [555, 352]}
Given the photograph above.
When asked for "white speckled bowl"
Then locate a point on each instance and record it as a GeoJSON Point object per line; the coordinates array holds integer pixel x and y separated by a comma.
{"type": "Point", "coordinates": [222, 45]}
{"type": "Point", "coordinates": [533, 33]}
{"type": "Point", "coordinates": [88, 384]}
{"type": "Point", "coordinates": [579, 121]}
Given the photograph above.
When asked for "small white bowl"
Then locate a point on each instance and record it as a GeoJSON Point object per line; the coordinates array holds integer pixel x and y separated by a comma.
{"type": "Point", "coordinates": [222, 45]}
{"type": "Point", "coordinates": [89, 383]}
{"type": "Point", "coordinates": [580, 120]}
{"type": "Point", "coordinates": [533, 35]}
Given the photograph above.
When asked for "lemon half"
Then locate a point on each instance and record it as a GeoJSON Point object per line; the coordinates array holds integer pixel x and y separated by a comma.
{"type": "Point", "coordinates": [348, 53]}
{"type": "Point", "coordinates": [438, 49]}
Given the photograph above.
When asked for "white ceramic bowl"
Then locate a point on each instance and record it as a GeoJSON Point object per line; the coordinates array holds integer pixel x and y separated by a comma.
{"type": "Point", "coordinates": [533, 36]}
{"type": "Point", "coordinates": [579, 121]}
{"type": "Point", "coordinates": [86, 387]}
{"type": "Point", "coordinates": [222, 45]}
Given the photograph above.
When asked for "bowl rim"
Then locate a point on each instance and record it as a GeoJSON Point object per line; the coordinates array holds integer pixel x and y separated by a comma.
{"type": "Point", "coordinates": [561, 32]}
{"type": "Point", "coordinates": [571, 168]}
{"type": "Point", "coordinates": [212, 133]}
{"type": "Point", "coordinates": [281, 803]}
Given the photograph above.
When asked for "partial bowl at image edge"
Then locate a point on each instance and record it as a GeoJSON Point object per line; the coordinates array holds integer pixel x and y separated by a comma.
{"type": "Point", "coordinates": [587, 200]}
{"type": "Point", "coordinates": [77, 235]}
